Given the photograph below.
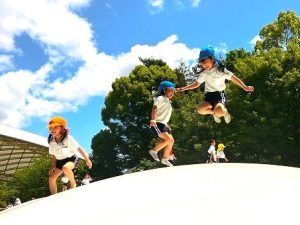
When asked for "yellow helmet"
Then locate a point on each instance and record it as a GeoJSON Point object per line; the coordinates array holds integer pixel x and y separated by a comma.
{"type": "Point", "coordinates": [57, 121]}
{"type": "Point", "coordinates": [221, 146]}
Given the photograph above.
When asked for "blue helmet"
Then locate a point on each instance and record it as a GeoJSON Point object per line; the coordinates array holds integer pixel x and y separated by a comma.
{"type": "Point", "coordinates": [166, 84]}
{"type": "Point", "coordinates": [208, 52]}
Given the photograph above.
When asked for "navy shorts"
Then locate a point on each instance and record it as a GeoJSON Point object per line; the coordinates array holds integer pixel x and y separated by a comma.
{"type": "Point", "coordinates": [160, 128]}
{"type": "Point", "coordinates": [215, 97]}
{"type": "Point", "coordinates": [62, 162]}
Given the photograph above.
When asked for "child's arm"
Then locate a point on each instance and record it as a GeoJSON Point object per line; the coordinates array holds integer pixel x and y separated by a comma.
{"type": "Point", "coordinates": [86, 157]}
{"type": "Point", "coordinates": [53, 164]}
{"type": "Point", "coordinates": [189, 87]}
{"type": "Point", "coordinates": [240, 83]}
{"type": "Point", "coordinates": [153, 116]}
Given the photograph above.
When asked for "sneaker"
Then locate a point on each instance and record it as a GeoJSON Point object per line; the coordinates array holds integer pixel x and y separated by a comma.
{"type": "Point", "coordinates": [217, 119]}
{"type": "Point", "coordinates": [227, 117]}
{"type": "Point", "coordinates": [166, 162]}
{"type": "Point", "coordinates": [154, 155]}
{"type": "Point", "coordinates": [172, 157]}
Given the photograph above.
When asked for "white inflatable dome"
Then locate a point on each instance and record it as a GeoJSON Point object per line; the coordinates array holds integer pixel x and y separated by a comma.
{"type": "Point", "coordinates": [194, 194]}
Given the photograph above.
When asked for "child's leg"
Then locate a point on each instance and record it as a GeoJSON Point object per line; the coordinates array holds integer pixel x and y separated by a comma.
{"type": "Point", "coordinates": [67, 169]}
{"type": "Point", "coordinates": [52, 180]}
{"type": "Point", "coordinates": [167, 143]}
{"type": "Point", "coordinates": [205, 108]}
{"type": "Point", "coordinates": [220, 110]}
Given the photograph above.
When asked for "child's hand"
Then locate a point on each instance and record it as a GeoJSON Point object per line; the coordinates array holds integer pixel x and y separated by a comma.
{"type": "Point", "coordinates": [249, 88]}
{"type": "Point", "coordinates": [152, 123]}
{"type": "Point", "coordinates": [51, 171]}
{"type": "Point", "coordinates": [179, 89]}
{"type": "Point", "coordinates": [89, 163]}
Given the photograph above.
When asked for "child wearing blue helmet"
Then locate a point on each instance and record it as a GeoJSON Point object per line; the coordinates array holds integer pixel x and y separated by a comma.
{"type": "Point", "coordinates": [214, 74]}
{"type": "Point", "coordinates": [160, 116]}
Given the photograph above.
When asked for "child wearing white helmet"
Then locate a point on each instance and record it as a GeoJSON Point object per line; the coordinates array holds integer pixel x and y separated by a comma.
{"type": "Point", "coordinates": [214, 74]}
{"type": "Point", "coordinates": [160, 116]}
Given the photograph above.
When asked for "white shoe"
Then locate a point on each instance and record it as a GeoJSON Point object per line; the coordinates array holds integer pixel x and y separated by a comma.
{"type": "Point", "coordinates": [154, 155]}
{"type": "Point", "coordinates": [217, 119]}
{"type": "Point", "coordinates": [166, 162]}
{"type": "Point", "coordinates": [172, 157]}
{"type": "Point", "coordinates": [227, 117]}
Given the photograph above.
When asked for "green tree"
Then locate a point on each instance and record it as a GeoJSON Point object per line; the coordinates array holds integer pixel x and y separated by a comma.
{"type": "Point", "coordinates": [267, 119]}
{"type": "Point", "coordinates": [281, 32]}
{"type": "Point", "coordinates": [107, 155]}
{"type": "Point", "coordinates": [6, 193]}
{"type": "Point", "coordinates": [32, 182]}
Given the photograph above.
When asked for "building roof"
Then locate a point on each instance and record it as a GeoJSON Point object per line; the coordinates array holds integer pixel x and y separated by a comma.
{"type": "Point", "coordinates": [18, 148]}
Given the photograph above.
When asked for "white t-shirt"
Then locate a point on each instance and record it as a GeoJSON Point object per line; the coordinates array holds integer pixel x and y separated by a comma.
{"type": "Point", "coordinates": [214, 79]}
{"type": "Point", "coordinates": [221, 154]}
{"type": "Point", "coordinates": [212, 150]}
{"type": "Point", "coordinates": [65, 149]}
{"type": "Point", "coordinates": [164, 109]}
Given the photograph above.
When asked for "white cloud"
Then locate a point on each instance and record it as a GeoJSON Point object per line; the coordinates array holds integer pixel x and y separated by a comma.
{"type": "Point", "coordinates": [196, 3]}
{"type": "Point", "coordinates": [5, 62]}
{"type": "Point", "coordinates": [221, 50]}
{"type": "Point", "coordinates": [254, 40]}
{"type": "Point", "coordinates": [31, 94]}
{"type": "Point", "coordinates": [156, 6]}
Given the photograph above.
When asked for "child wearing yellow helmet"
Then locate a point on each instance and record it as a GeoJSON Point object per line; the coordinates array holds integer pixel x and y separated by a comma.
{"type": "Point", "coordinates": [64, 151]}
{"type": "Point", "coordinates": [220, 153]}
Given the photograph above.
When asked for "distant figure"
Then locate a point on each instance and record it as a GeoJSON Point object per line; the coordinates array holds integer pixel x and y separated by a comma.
{"type": "Point", "coordinates": [64, 152]}
{"type": "Point", "coordinates": [220, 153]}
{"type": "Point", "coordinates": [86, 180]}
{"type": "Point", "coordinates": [211, 158]}
{"type": "Point", "coordinates": [17, 202]}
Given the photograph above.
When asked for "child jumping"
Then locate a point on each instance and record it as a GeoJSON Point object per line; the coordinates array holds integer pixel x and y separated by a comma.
{"type": "Point", "coordinates": [63, 150]}
{"type": "Point", "coordinates": [214, 74]}
{"type": "Point", "coordinates": [160, 116]}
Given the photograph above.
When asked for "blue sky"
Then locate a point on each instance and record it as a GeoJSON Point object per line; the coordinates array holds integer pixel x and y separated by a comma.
{"type": "Point", "coordinates": [61, 56]}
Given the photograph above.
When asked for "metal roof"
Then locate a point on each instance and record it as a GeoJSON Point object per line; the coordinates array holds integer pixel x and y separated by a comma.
{"type": "Point", "coordinates": [18, 148]}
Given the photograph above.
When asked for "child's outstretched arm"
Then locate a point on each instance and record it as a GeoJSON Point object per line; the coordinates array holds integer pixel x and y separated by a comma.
{"type": "Point", "coordinates": [189, 87]}
{"type": "Point", "coordinates": [86, 157]}
{"type": "Point", "coordinates": [240, 83]}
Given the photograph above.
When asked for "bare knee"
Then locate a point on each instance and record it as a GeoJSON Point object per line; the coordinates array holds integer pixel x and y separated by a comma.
{"type": "Point", "coordinates": [170, 140]}
{"type": "Point", "coordinates": [219, 110]}
{"type": "Point", "coordinates": [204, 108]}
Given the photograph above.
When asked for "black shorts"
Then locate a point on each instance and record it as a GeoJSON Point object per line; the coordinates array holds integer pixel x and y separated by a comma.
{"type": "Point", "coordinates": [160, 128]}
{"type": "Point", "coordinates": [215, 97]}
{"type": "Point", "coordinates": [62, 162]}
